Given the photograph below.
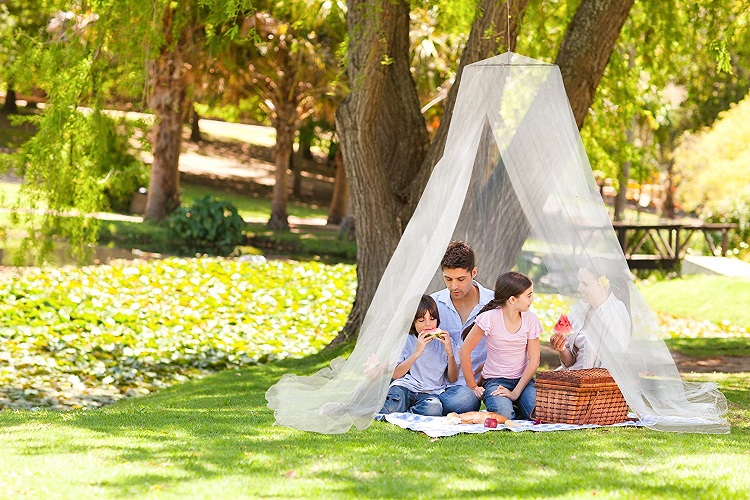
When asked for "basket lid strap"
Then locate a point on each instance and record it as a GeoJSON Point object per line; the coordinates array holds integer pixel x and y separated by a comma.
{"type": "Point", "coordinates": [591, 408]}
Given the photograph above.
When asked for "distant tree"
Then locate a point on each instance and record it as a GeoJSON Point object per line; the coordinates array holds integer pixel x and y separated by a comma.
{"type": "Point", "coordinates": [340, 201]}
{"type": "Point", "coordinates": [291, 63]}
{"type": "Point", "coordinates": [22, 22]}
{"type": "Point", "coordinates": [677, 64]}
{"type": "Point", "coordinates": [93, 52]}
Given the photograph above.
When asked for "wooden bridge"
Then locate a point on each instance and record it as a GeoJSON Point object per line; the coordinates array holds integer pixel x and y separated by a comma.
{"type": "Point", "coordinates": [669, 242]}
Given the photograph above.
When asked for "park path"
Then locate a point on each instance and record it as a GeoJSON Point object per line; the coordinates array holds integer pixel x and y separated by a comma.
{"type": "Point", "coordinates": [725, 266]}
{"type": "Point", "coordinates": [241, 157]}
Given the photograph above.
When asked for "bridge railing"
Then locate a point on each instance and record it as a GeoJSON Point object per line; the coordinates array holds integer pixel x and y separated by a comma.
{"type": "Point", "coordinates": [669, 242]}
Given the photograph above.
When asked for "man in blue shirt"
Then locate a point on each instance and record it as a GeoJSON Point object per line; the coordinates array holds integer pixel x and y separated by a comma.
{"type": "Point", "coordinates": [458, 305]}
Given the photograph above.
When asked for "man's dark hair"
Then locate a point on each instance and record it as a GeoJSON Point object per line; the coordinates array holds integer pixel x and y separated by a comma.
{"type": "Point", "coordinates": [459, 255]}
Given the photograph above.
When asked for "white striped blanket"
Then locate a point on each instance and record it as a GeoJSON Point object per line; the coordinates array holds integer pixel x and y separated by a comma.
{"type": "Point", "coordinates": [443, 426]}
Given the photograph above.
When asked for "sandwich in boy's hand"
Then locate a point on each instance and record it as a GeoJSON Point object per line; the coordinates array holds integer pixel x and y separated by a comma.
{"type": "Point", "coordinates": [435, 333]}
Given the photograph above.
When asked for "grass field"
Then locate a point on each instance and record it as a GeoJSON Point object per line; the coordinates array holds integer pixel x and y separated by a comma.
{"type": "Point", "coordinates": [215, 437]}
{"type": "Point", "coordinates": [715, 298]}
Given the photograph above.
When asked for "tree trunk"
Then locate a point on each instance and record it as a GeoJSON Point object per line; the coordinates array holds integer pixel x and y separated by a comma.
{"type": "Point", "coordinates": [168, 104]}
{"type": "Point", "coordinates": [622, 178]}
{"type": "Point", "coordinates": [295, 165]}
{"type": "Point", "coordinates": [586, 48]}
{"type": "Point", "coordinates": [306, 136]}
{"type": "Point", "coordinates": [373, 139]}
{"type": "Point", "coordinates": [339, 200]}
{"type": "Point", "coordinates": [285, 124]}
{"type": "Point", "coordinates": [9, 106]}
{"type": "Point", "coordinates": [195, 129]}
{"type": "Point", "coordinates": [669, 209]}
{"type": "Point", "coordinates": [376, 139]}
{"type": "Point", "coordinates": [669, 189]}
{"type": "Point", "coordinates": [383, 138]}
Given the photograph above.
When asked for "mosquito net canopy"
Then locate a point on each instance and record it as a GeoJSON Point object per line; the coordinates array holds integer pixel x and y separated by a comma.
{"type": "Point", "coordinates": [516, 185]}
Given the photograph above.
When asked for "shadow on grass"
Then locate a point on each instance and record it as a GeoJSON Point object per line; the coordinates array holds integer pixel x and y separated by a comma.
{"type": "Point", "coordinates": [220, 427]}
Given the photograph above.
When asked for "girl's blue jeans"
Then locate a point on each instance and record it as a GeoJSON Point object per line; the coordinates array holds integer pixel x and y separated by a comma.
{"type": "Point", "coordinates": [520, 409]}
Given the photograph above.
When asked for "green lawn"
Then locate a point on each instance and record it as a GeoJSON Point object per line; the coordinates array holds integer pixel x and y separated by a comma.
{"type": "Point", "coordinates": [306, 242]}
{"type": "Point", "coordinates": [215, 437]}
{"type": "Point", "coordinates": [718, 299]}
{"type": "Point", "coordinates": [249, 207]}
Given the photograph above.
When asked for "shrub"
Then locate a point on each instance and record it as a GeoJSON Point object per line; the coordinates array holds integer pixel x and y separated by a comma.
{"type": "Point", "coordinates": [734, 210]}
{"type": "Point", "coordinates": [209, 226]}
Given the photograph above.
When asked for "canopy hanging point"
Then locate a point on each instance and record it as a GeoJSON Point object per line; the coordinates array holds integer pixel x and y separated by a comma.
{"type": "Point", "coordinates": [514, 183]}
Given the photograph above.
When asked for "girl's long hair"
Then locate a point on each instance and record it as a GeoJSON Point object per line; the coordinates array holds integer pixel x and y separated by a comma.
{"type": "Point", "coordinates": [426, 304]}
{"type": "Point", "coordinates": [510, 284]}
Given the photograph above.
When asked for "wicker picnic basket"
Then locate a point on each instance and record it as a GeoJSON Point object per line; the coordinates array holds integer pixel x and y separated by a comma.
{"type": "Point", "coordinates": [579, 397]}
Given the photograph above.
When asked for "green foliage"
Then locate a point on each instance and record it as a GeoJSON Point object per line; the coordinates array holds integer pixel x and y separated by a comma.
{"type": "Point", "coordinates": [90, 55]}
{"type": "Point", "coordinates": [209, 226]}
{"type": "Point", "coordinates": [22, 22]}
{"type": "Point", "coordinates": [307, 243]}
{"type": "Point", "coordinates": [293, 59]}
{"type": "Point", "coordinates": [84, 337]}
{"type": "Point", "coordinates": [87, 167]}
{"type": "Point", "coordinates": [662, 78]}
{"type": "Point", "coordinates": [121, 172]}
{"type": "Point", "coordinates": [247, 110]}
{"type": "Point", "coordinates": [707, 159]}
{"type": "Point", "coordinates": [733, 210]}
{"type": "Point", "coordinates": [438, 34]}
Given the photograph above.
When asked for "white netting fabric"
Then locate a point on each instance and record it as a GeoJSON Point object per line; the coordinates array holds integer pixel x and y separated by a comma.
{"type": "Point", "coordinates": [515, 184]}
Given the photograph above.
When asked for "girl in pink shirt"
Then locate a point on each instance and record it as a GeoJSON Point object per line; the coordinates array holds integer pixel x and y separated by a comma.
{"type": "Point", "coordinates": [511, 333]}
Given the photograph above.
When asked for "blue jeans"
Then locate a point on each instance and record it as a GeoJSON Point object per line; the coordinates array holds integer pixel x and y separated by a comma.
{"type": "Point", "coordinates": [402, 400]}
{"type": "Point", "coordinates": [459, 399]}
{"type": "Point", "coordinates": [519, 409]}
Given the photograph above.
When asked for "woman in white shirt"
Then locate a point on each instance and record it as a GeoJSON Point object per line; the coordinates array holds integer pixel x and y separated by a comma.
{"type": "Point", "coordinates": [600, 312]}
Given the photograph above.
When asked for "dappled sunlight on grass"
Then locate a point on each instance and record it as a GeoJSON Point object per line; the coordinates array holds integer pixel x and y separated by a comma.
{"type": "Point", "coordinates": [217, 432]}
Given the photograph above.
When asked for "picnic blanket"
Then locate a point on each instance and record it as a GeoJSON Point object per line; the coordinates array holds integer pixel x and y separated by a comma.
{"type": "Point", "coordinates": [443, 426]}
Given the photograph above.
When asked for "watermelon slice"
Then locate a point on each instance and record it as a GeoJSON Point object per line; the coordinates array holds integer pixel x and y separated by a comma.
{"type": "Point", "coordinates": [563, 325]}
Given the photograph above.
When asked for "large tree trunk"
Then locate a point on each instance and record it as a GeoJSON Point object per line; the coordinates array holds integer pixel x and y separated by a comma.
{"type": "Point", "coordinates": [381, 205]}
{"type": "Point", "coordinates": [168, 104]}
{"type": "Point", "coordinates": [9, 106]}
{"type": "Point", "coordinates": [383, 138]}
{"type": "Point", "coordinates": [585, 50]}
{"type": "Point", "coordinates": [285, 124]}
{"type": "Point", "coordinates": [376, 142]}
{"type": "Point", "coordinates": [340, 199]}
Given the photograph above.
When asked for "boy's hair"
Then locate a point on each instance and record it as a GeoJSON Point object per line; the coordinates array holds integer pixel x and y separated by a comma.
{"type": "Point", "coordinates": [426, 304]}
{"type": "Point", "coordinates": [458, 255]}
{"type": "Point", "coordinates": [510, 284]}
